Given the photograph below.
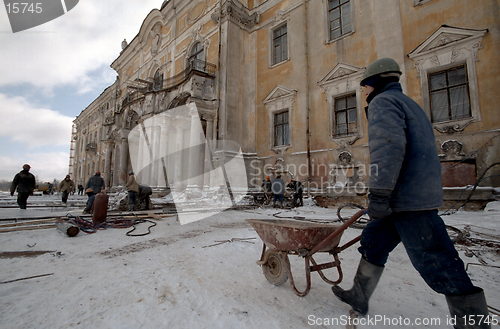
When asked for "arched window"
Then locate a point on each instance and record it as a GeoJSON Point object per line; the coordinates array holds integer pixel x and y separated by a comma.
{"type": "Point", "coordinates": [197, 57]}
{"type": "Point", "coordinates": [157, 80]}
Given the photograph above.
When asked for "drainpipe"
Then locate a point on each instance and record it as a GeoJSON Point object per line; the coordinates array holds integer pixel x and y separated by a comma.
{"type": "Point", "coordinates": [308, 133]}
{"type": "Point", "coordinates": [216, 130]}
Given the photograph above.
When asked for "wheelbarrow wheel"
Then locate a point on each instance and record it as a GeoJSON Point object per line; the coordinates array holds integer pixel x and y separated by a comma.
{"type": "Point", "coordinates": [274, 269]}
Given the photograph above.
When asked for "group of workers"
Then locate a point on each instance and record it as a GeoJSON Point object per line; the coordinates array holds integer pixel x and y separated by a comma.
{"type": "Point", "coordinates": [276, 189]}
{"type": "Point", "coordinates": [403, 201]}
{"type": "Point", "coordinates": [25, 183]}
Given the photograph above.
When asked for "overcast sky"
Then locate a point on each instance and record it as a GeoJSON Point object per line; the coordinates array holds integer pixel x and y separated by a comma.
{"type": "Point", "coordinates": [50, 73]}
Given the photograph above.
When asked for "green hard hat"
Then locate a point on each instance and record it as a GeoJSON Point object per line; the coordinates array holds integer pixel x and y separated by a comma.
{"type": "Point", "coordinates": [380, 66]}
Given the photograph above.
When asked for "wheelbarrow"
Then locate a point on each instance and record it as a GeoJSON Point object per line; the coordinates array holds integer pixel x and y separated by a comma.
{"type": "Point", "coordinates": [283, 237]}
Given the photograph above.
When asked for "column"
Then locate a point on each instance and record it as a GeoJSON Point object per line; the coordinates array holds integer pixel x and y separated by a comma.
{"type": "Point", "coordinates": [116, 175]}
{"type": "Point", "coordinates": [195, 140]}
{"type": "Point", "coordinates": [107, 165]}
{"type": "Point", "coordinates": [208, 155]}
{"type": "Point", "coordinates": [179, 136]}
{"type": "Point", "coordinates": [123, 174]}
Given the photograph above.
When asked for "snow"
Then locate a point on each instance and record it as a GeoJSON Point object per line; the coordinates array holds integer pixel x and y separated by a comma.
{"type": "Point", "coordinates": [182, 276]}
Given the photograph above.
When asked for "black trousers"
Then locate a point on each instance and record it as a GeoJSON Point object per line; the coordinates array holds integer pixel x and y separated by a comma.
{"type": "Point", "coordinates": [22, 199]}
{"type": "Point", "coordinates": [65, 196]}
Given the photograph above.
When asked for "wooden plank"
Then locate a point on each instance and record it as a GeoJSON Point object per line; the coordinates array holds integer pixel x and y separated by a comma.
{"type": "Point", "coordinates": [21, 223]}
{"type": "Point", "coordinates": [26, 228]}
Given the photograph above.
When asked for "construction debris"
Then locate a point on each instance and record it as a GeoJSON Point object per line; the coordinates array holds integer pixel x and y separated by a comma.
{"type": "Point", "coordinates": [70, 229]}
{"type": "Point", "coordinates": [27, 278]}
{"type": "Point", "coordinates": [232, 240]}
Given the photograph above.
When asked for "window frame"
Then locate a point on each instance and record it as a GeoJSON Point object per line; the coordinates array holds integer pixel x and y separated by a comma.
{"type": "Point", "coordinates": [335, 123]}
{"type": "Point", "coordinates": [447, 89]}
{"type": "Point", "coordinates": [276, 125]}
{"type": "Point", "coordinates": [158, 80]}
{"type": "Point", "coordinates": [279, 25]}
{"type": "Point", "coordinates": [327, 23]}
{"type": "Point", "coordinates": [194, 55]}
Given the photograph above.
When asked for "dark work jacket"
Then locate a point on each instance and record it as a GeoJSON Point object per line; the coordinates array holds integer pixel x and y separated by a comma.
{"type": "Point", "coordinates": [24, 181]}
{"type": "Point", "coordinates": [96, 183]}
{"type": "Point", "coordinates": [405, 171]}
{"type": "Point", "coordinates": [278, 186]}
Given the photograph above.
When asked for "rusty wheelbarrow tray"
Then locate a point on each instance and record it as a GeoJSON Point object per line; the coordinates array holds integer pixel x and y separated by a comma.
{"type": "Point", "coordinates": [282, 237]}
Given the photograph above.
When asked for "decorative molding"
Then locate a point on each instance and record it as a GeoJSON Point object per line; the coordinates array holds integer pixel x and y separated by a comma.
{"type": "Point", "coordinates": [420, 2]}
{"type": "Point", "coordinates": [195, 13]}
{"type": "Point", "coordinates": [446, 48]}
{"type": "Point", "coordinates": [452, 147]}
{"type": "Point", "coordinates": [236, 13]}
{"type": "Point", "coordinates": [454, 40]}
{"type": "Point", "coordinates": [156, 38]}
{"type": "Point", "coordinates": [279, 92]}
{"type": "Point", "coordinates": [452, 128]}
{"type": "Point", "coordinates": [345, 158]}
{"type": "Point", "coordinates": [452, 151]}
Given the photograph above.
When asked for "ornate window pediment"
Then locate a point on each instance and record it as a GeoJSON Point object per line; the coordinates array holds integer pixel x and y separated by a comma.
{"type": "Point", "coordinates": [279, 92]}
{"type": "Point", "coordinates": [343, 81]}
{"type": "Point", "coordinates": [279, 101]}
{"type": "Point", "coordinates": [447, 48]}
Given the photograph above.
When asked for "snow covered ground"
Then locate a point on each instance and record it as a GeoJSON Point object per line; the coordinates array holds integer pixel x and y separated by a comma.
{"type": "Point", "coordinates": [179, 276]}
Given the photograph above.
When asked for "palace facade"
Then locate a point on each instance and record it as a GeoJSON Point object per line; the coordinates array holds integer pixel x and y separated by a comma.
{"type": "Point", "coordinates": [281, 79]}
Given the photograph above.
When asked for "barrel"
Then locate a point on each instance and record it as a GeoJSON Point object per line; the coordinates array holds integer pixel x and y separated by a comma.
{"type": "Point", "coordinates": [100, 208]}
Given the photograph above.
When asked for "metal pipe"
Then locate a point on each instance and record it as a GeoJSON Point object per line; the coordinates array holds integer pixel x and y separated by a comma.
{"type": "Point", "coordinates": [308, 133]}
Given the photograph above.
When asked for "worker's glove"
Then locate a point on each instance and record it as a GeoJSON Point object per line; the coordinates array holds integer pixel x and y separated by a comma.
{"type": "Point", "coordinates": [378, 205]}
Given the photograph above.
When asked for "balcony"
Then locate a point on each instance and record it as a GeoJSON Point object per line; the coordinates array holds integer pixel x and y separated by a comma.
{"type": "Point", "coordinates": [141, 87]}
{"type": "Point", "coordinates": [91, 147]}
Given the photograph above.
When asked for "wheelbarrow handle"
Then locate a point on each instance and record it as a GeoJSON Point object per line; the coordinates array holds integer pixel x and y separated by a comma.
{"type": "Point", "coordinates": [336, 232]}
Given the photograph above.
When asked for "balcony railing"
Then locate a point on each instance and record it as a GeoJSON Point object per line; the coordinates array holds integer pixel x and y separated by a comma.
{"type": "Point", "coordinates": [91, 147]}
{"type": "Point", "coordinates": [200, 67]}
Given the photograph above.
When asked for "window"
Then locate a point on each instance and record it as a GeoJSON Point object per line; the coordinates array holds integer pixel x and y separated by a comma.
{"type": "Point", "coordinates": [281, 129]}
{"type": "Point", "coordinates": [449, 94]}
{"type": "Point", "coordinates": [340, 18]}
{"type": "Point", "coordinates": [280, 45]}
{"type": "Point", "coordinates": [157, 81]}
{"type": "Point", "coordinates": [344, 96]}
{"type": "Point", "coordinates": [197, 56]}
{"type": "Point", "coordinates": [446, 65]}
{"type": "Point", "coordinates": [279, 106]}
{"type": "Point", "coordinates": [345, 116]}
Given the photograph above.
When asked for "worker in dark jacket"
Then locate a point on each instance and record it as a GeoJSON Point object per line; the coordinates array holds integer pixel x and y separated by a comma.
{"type": "Point", "coordinates": [404, 193]}
{"type": "Point", "coordinates": [298, 191]}
{"type": "Point", "coordinates": [25, 183]}
{"type": "Point", "coordinates": [278, 188]}
{"type": "Point", "coordinates": [94, 186]}
{"type": "Point", "coordinates": [96, 183]}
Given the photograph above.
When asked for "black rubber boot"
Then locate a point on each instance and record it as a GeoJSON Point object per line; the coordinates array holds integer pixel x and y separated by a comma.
{"type": "Point", "coordinates": [365, 281]}
{"type": "Point", "coordinates": [469, 311]}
